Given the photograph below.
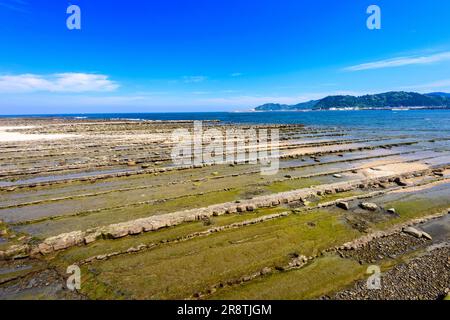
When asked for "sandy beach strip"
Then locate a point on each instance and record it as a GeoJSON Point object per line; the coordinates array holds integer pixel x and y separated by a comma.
{"type": "Point", "coordinates": [7, 134]}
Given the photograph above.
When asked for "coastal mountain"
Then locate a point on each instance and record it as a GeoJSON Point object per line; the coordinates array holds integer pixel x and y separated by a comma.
{"type": "Point", "coordinates": [283, 107]}
{"type": "Point", "coordinates": [394, 99]}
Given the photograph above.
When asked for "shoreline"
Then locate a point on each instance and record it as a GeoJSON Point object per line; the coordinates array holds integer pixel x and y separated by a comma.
{"type": "Point", "coordinates": [81, 116]}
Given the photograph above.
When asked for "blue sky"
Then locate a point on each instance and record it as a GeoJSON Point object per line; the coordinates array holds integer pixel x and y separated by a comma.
{"type": "Point", "coordinates": [213, 55]}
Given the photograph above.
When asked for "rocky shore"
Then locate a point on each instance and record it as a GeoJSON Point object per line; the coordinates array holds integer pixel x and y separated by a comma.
{"type": "Point", "coordinates": [424, 278]}
{"type": "Point", "coordinates": [105, 196]}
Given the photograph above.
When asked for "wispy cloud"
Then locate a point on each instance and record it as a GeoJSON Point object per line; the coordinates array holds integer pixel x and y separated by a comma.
{"type": "Point", "coordinates": [401, 61]}
{"type": "Point", "coordinates": [430, 86]}
{"type": "Point", "coordinates": [236, 74]}
{"type": "Point", "coordinates": [194, 79]}
{"type": "Point", "coordinates": [59, 82]}
{"type": "Point", "coordinates": [15, 5]}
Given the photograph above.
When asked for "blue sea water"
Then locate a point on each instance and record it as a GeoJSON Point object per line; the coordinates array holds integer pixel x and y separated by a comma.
{"type": "Point", "coordinates": [409, 120]}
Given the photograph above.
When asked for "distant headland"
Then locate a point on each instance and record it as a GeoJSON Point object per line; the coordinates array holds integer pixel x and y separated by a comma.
{"type": "Point", "coordinates": [388, 100]}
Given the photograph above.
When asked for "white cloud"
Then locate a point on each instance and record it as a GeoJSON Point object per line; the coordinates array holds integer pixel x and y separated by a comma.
{"type": "Point", "coordinates": [401, 61]}
{"type": "Point", "coordinates": [58, 82]}
{"type": "Point", "coordinates": [15, 5]}
{"type": "Point", "coordinates": [194, 79]}
{"type": "Point", "coordinates": [237, 74]}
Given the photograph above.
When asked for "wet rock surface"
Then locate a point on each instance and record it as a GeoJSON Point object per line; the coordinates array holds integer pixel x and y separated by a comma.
{"type": "Point", "coordinates": [389, 247]}
{"type": "Point", "coordinates": [43, 285]}
{"type": "Point", "coordinates": [424, 278]}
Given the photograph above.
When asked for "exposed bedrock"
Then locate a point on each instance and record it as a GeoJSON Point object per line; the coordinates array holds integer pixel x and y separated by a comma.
{"type": "Point", "coordinates": [153, 223]}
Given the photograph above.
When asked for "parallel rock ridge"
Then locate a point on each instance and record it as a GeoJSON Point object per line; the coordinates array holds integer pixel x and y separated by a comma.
{"type": "Point", "coordinates": [107, 196]}
{"type": "Point", "coordinates": [154, 223]}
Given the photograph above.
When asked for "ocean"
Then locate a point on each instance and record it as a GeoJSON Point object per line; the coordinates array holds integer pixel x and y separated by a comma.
{"type": "Point", "coordinates": [405, 120]}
